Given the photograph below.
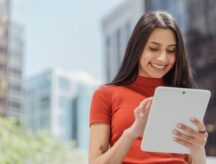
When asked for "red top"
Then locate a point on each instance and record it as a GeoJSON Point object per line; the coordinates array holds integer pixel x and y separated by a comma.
{"type": "Point", "coordinates": [114, 105]}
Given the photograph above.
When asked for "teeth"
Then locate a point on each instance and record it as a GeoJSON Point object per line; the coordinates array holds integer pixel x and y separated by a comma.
{"type": "Point", "coordinates": [158, 66]}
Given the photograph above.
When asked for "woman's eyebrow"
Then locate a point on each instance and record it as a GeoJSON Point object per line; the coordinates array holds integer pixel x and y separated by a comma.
{"type": "Point", "coordinates": [156, 43]}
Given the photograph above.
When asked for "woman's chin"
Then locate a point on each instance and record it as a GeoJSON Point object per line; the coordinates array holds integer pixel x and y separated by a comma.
{"type": "Point", "coordinates": [157, 76]}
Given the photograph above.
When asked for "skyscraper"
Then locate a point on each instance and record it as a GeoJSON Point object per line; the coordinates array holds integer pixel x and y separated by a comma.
{"type": "Point", "coordinates": [14, 97]}
{"type": "Point", "coordinates": [4, 27]}
{"type": "Point", "coordinates": [11, 55]}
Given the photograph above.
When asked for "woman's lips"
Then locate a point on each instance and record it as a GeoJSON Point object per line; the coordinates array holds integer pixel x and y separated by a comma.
{"type": "Point", "coordinates": [157, 67]}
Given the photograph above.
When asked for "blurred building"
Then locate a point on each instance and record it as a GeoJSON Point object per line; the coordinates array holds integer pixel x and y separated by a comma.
{"type": "Point", "coordinates": [4, 28]}
{"type": "Point", "coordinates": [117, 27]}
{"type": "Point", "coordinates": [176, 8]}
{"type": "Point", "coordinates": [58, 101]}
{"type": "Point", "coordinates": [84, 97]}
{"type": "Point", "coordinates": [37, 106]}
{"type": "Point", "coordinates": [201, 42]}
{"type": "Point", "coordinates": [14, 97]}
{"type": "Point", "coordinates": [197, 21]}
{"type": "Point", "coordinates": [11, 56]}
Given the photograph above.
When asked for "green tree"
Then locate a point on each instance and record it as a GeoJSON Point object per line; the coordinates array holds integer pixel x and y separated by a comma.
{"type": "Point", "coordinates": [19, 147]}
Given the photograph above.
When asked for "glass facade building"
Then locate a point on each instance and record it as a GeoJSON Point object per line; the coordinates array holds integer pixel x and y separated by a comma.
{"type": "Point", "coordinates": [58, 101]}
{"type": "Point", "coordinates": [38, 102]}
{"type": "Point", "coordinates": [84, 97]}
{"type": "Point", "coordinates": [48, 104]}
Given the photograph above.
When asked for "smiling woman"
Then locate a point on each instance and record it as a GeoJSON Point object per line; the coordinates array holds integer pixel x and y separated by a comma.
{"type": "Point", "coordinates": [158, 56]}
{"type": "Point", "coordinates": [155, 56]}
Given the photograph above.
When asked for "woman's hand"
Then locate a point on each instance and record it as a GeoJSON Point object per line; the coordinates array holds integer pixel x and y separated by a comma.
{"type": "Point", "coordinates": [141, 115]}
{"type": "Point", "coordinates": [194, 140]}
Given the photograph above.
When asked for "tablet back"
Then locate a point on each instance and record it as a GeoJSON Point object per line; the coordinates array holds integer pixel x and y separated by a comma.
{"type": "Point", "coordinates": [169, 107]}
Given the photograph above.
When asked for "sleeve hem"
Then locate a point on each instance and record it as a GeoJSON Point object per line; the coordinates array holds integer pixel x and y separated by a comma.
{"type": "Point", "coordinates": [99, 121]}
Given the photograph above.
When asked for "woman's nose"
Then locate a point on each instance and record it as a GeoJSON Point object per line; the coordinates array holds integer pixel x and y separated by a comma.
{"type": "Point", "coordinates": [162, 56]}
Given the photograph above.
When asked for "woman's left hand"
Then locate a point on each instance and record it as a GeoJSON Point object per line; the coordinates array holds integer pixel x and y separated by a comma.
{"type": "Point", "coordinates": [194, 140]}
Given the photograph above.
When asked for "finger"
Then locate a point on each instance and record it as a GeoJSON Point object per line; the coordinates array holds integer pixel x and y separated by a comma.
{"type": "Point", "coordinates": [190, 140]}
{"type": "Point", "coordinates": [136, 111]}
{"type": "Point", "coordinates": [187, 129]}
{"type": "Point", "coordinates": [148, 105]}
{"type": "Point", "coordinates": [145, 103]}
{"type": "Point", "coordinates": [201, 126]}
{"type": "Point", "coordinates": [182, 136]}
{"type": "Point", "coordinates": [182, 142]}
{"type": "Point", "coordinates": [142, 110]}
{"type": "Point", "coordinates": [199, 138]}
{"type": "Point", "coordinates": [139, 112]}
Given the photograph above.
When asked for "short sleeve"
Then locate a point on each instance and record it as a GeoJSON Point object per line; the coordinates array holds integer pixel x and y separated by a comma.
{"type": "Point", "coordinates": [100, 110]}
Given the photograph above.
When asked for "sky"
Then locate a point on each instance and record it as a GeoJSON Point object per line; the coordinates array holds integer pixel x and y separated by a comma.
{"type": "Point", "coordinates": [65, 34]}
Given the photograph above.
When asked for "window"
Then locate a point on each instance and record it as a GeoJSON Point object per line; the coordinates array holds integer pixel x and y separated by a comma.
{"type": "Point", "coordinates": [45, 102]}
{"type": "Point", "coordinates": [14, 104]}
{"type": "Point", "coordinates": [2, 67]}
{"type": "Point", "coordinates": [2, 100]}
{"type": "Point", "coordinates": [64, 103]}
{"type": "Point", "coordinates": [64, 84]}
{"type": "Point", "coordinates": [14, 71]}
{"type": "Point", "coordinates": [45, 122]}
{"type": "Point", "coordinates": [17, 88]}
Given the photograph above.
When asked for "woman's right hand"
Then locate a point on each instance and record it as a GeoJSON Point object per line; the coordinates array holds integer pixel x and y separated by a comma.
{"type": "Point", "coordinates": [141, 115]}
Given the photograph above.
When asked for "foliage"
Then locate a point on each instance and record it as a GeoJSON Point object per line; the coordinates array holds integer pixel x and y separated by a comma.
{"type": "Point", "coordinates": [17, 146]}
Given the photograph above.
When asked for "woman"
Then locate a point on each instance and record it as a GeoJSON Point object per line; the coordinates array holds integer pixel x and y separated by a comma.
{"type": "Point", "coordinates": [155, 56]}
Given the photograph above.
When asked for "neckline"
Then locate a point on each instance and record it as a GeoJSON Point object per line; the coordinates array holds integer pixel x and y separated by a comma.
{"type": "Point", "coordinates": [148, 81]}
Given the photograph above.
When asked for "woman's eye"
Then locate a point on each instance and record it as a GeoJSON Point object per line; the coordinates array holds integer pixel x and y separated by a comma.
{"type": "Point", "coordinates": [153, 49]}
{"type": "Point", "coordinates": [171, 51]}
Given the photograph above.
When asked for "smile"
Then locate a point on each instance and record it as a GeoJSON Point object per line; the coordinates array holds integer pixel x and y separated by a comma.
{"type": "Point", "coordinates": [157, 67]}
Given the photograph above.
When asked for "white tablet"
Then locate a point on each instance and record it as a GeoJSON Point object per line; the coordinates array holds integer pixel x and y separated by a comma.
{"type": "Point", "coordinates": [171, 106]}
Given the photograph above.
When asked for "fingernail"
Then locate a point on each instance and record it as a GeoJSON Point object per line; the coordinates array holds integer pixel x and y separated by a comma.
{"type": "Point", "coordinates": [174, 131]}
{"type": "Point", "coordinates": [179, 125]}
{"type": "Point", "coordinates": [193, 119]}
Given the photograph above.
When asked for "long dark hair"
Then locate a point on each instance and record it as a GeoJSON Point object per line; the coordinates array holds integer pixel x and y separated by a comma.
{"type": "Point", "coordinates": [179, 76]}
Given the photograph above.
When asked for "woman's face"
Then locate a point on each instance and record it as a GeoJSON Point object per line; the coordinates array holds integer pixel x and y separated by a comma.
{"type": "Point", "coordinates": [159, 54]}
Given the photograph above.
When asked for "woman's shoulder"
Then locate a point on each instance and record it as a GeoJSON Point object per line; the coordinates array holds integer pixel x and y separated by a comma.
{"type": "Point", "coordinates": [103, 93]}
{"type": "Point", "coordinates": [105, 88]}
{"type": "Point", "coordinates": [108, 91]}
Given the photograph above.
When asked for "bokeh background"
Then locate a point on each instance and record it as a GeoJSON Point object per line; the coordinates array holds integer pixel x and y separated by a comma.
{"type": "Point", "coordinates": [54, 54]}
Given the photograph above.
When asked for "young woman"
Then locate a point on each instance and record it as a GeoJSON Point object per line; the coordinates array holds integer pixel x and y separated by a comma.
{"type": "Point", "coordinates": [155, 56]}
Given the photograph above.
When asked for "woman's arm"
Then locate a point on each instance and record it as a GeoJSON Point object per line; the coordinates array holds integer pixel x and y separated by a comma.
{"type": "Point", "coordinates": [99, 151]}
{"type": "Point", "coordinates": [199, 157]}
